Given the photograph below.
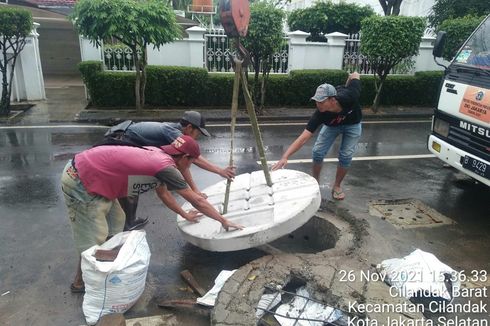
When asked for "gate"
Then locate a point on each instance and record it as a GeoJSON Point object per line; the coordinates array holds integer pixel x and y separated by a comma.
{"type": "Point", "coordinates": [219, 54]}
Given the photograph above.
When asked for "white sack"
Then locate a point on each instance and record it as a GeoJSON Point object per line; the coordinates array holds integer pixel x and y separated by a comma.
{"type": "Point", "coordinates": [209, 298]}
{"type": "Point", "coordinates": [419, 271]}
{"type": "Point", "coordinates": [267, 301]}
{"type": "Point", "coordinates": [312, 310]}
{"type": "Point", "coordinates": [113, 287]}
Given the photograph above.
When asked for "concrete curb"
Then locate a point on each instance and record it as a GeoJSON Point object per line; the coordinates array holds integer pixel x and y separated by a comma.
{"type": "Point", "coordinates": [14, 117]}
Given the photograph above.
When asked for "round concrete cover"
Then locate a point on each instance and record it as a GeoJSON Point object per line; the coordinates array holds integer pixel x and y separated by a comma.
{"type": "Point", "coordinates": [267, 213]}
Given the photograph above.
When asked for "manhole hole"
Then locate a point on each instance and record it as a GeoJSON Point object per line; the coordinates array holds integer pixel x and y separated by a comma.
{"type": "Point", "coordinates": [314, 236]}
{"type": "Point", "coordinates": [407, 213]}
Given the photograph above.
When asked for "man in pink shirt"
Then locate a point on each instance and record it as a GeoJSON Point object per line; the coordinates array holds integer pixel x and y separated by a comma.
{"type": "Point", "coordinates": [94, 180]}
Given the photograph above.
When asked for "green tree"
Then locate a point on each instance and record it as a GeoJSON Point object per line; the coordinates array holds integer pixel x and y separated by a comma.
{"type": "Point", "coordinates": [135, 23]}
{"type": "Point", "coordinates": [458, 30]}
{"type": "Point", "coordinates": [448, 9]}
{"type": "Point", "coordinates": [391, 7]}
{"type": "Point", "coordinates": [15, 26]}
{"type": "Point", "coordinates": [388, 40]}
{"type": "Point", "coordinates": [180, 4]}
{"type": "Point", "coordinates": [326, 17]}
{"type": "Point", "coordinates": [264, 37]}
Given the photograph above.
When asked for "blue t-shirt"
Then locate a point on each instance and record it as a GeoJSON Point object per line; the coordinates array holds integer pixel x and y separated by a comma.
{"type": "Point", "coordinates": [153, 133]}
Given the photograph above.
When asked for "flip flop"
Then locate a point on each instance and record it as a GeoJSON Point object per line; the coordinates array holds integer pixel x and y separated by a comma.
{"type": "Point", "coordinates": [338, 195]}
{"type": "Point", "coordinates": [75, 289]}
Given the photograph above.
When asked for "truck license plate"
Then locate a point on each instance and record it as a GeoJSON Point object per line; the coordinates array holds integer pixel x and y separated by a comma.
{"type": "Point", "coordinates": [476, 166]}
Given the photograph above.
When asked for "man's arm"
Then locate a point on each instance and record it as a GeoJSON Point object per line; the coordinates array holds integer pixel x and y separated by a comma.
{"type": "Point", "coordinates": [227, 173]}
{"type": "Point", "coordinates": [188, 178]}
{"type": "Point", "coordinates": [354, 75]}
{"type": "Point", "coordinates": [169, 201]}
{"type": "Point", "coordinates": [293, 148]}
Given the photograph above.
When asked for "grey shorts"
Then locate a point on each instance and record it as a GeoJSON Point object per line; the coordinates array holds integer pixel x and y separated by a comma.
{"type": "Point", "coordinates": [92, 217]}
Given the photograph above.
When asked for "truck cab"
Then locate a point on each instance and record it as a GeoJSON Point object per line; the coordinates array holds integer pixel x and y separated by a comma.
{"type": "Point", "coordinates": [460, 133]}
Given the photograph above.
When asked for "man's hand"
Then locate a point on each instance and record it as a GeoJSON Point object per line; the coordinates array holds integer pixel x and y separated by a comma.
{"type": "Point", "coordinates": [227, 225]}
{"type": "Point", "coordinates": [228, 172]}
{"type": "Point", "coordinates": [280, 164]}
{"type": "Point", "coordinates": [354, 75]}
{"type": "Point", "coordinates": [193, 216]}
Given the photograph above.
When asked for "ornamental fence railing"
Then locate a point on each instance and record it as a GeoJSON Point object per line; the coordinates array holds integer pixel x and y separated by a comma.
{"type": "Point", "coordinates": [219, 53]}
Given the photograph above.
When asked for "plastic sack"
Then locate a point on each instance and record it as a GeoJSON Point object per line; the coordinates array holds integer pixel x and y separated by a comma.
{"type": "Point", "coordinates": [114, 286]}
{"type": "Point", "coordinates": [209, 299]}
{"type": "Point", "coordinates": [311, 312]}
{"type": "Point", "coordinates": [267, 302]}
{"type": "Point", "coordinates": [419, 274]}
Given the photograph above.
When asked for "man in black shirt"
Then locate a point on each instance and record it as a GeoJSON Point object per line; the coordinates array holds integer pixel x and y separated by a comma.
{"type": "Point", "coordinates": [339, 113]}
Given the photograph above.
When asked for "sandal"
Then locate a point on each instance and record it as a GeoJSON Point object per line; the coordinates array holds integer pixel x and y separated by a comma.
{"type": "Point", "coordinates": [338, 195]}
{"type": "Point", "coordinates": [76, 289]}
{"type": "Point", "coordinates": [137, 224]}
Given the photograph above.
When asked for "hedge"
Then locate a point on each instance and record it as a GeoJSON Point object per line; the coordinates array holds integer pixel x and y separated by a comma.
{"type": "Point", "coordinates": [182, 86]}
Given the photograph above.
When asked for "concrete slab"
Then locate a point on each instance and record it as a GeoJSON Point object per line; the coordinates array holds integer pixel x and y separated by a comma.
{"type": "Point", "coordinates": [267, 213]}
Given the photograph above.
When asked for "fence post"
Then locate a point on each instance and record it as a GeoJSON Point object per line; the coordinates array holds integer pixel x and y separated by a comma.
{"type": "Point", "coordinates": [424, 60]}
{"type": "Point", "coordinates": [29, 71]}
{"type": "Point", "coordinates": [89, 51]}
{"type": "Point", "coordinates": [197, 45]}
{"type": "Point", "coordinates": [297, 50]}
{"type": "Point", "coordinates": [336, 46]}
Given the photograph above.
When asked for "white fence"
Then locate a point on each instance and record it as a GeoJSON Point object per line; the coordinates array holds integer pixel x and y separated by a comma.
{"type": "Point", "coordinates": [212, 51]}
{"type": "Point", "coordinates": [28, 82]}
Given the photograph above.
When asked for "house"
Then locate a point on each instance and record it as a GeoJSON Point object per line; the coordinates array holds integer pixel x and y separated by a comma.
{"type": "Point", "coordinates": [408, 7]}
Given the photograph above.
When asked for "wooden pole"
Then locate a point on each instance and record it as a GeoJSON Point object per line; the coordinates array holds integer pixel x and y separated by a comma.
{"type": "Point", "coordinates": [234, 110]}
{"type": "Point", "coordinates": [255, 128]}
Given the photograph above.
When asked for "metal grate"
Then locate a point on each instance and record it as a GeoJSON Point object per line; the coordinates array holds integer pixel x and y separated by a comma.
{"type": "Point", "coordinates": [407, 213]}
{"type": "Point", "coordinates": [270, 309]}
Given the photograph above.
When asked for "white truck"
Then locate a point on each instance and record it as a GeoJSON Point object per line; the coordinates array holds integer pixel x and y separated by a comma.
{"type": "Point", "coordinates": [461, 123]}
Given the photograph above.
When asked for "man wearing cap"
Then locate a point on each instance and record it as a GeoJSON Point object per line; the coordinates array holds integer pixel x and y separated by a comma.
{"type": "Point", "coordinates": [159, 134]}
{"type": "Point", "coordinates": [339, 113]}
{"type": "Point", "coordinates": [94, 180]}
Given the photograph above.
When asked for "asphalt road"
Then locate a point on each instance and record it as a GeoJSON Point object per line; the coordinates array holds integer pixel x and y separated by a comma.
{"type": "Point", "coordinates": [37, 257]}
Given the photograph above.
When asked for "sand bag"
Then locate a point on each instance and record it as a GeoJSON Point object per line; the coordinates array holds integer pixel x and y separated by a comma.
{"type": "Point", "coordinates": [419, 274]}
{"type": "Point", "coordinates": [114, 286]}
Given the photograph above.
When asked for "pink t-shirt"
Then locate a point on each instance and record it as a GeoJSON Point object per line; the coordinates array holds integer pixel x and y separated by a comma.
{"type": "Point", "coordinates": [121, 171]}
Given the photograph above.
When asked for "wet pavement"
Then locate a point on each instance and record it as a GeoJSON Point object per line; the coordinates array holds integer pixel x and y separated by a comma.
{"type": "Point", "coordinates": [37, 257]}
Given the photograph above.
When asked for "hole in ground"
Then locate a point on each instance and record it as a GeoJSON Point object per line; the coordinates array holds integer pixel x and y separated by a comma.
{"type": "Point", "coordinates": [316, 235]}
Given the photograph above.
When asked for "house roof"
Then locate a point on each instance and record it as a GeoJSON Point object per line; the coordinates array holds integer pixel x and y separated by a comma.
{"type": "Point", "coordinates": [65, 7]}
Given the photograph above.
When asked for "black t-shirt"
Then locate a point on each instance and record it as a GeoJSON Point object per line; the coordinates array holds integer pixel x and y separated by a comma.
{"type": "Point", "coordinates": [348, 98]}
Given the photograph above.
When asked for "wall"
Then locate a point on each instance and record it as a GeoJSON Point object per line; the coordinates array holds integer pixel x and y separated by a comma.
{"type": "Point", "coordinates": [302, 54]}
{"type": "Point", "coordinates": [188, 52]}
{"type": "Point", "coordinates": [316, 55]}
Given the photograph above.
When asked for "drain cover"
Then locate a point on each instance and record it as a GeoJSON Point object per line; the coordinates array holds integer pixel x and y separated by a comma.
{"type": "Point", "coordinates": [407, 213]}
